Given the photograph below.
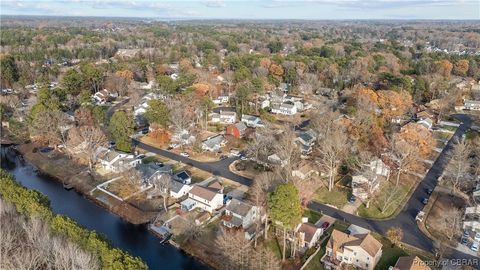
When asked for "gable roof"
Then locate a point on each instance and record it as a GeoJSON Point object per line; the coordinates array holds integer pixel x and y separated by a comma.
{"type": "Point", "coordinates": [238, 207]}
{"type": "Point", "coordinates": [176, 186]}
{"type": "Point", "coordinates": [309, 230]}
{"type": "Point", "coordinates": [203, 192]}
{"type": "Point", "coordinates": [365, 241]}
{"type": "Point", "coordinates": [241, 126]}
{"type": "Point", "coordinates": [410, 263]}
{"type": "Point", "coordinates": [215, 140]}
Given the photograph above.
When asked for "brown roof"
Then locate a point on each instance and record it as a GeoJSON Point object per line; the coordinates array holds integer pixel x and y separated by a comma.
{"type": "Point", "coordinates": [365, 241]}
{"type": "Point", "coordinates": [215, 186]}
{"type": "Point", "coordinates": [410, 263]}
{"type": "Point", "coordinates": [202, 192]}
{"type": "Point", "coordinates": [309, 230]}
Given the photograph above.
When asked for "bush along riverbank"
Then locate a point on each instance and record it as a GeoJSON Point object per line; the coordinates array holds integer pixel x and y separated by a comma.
{"type": "Point", "coordinates": [33, 203]}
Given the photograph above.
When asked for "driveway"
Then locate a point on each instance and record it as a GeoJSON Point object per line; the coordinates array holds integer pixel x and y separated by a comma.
{"type": "Point", "coordinates": [405, 219]}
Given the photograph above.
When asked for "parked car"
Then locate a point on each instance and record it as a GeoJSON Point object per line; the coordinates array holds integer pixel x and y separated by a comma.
{"type": "Point", "coordinates": [466, 234]}
{"type": "Point", "coordinates": [46, 149]}
{"type": "Point", "coordinates": [425, 201]}
{"type": "Point", "coordinates": [173, 146]}
{"type": "Point", "coordinates": [141, 156]}
{"type": "Point", "coordinates": [325, 225]}
{"type": "Point", "coordinates": [420, 215]}
{"type": "Point", "coordinates": [184, 154]}
{"type": "Point", "coordinates": [145, 131]}
{"type": "Point", "coordinates": [352, 199]}
{"type": "Point", "coordinates": [477, 236]}
{"type": "Point", "coordinates": [429, 191]}
{"type": "Point", "coordinates": [464, 241]}
{"type": "Point", "coordinates": [475, 246]}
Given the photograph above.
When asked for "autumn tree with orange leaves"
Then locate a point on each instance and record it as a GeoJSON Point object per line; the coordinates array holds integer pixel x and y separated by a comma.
{"type": "Point", "coordinates": [461, 68]}
{"type": "Point", "coordinates": [394, 104]}
{"type": "Point", "coordinates": [445, 68]}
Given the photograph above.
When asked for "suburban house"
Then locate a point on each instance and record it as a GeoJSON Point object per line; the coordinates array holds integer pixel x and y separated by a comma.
{"type": "Point", "coordinates": [274, 159]}
{"type": "Point", "coordinates": [237, 130]}
{"type": "Point", "coordinates": [183, 137]}
{"type": "Point", "coordinates": [473, 105]}
{"type": "Point", "coordinates": [285, 108]}
{"type": "Point", "coordinates": [305, 170]}
{"type": "Point", "coordinates": [103, 96]}
{"type": "Point", "coordinates": [150, 172]}
{"type": "Point", "coordinates": [426, 122]}
{"type": "Point", "coordinates": [368, 182]}
{"type": "Point", "coordinates": [142, 106]}
{"type": "Point", "coordinates": [221, 100]}
{"type": "Point", "coordinates": [224, 117]}
{"type": "Point", "coordinates": [471, 219]}
{"type": "Point", "coordinates": [252, 121]}
{"type": "Point", "coordinates": [308, 234]}
{"type": "Point", "coordinates": [409, 263]}
{"type": "Point", "coordinates": [178, 189]}
{"type": "Point", "coordinates": [306, 139]}
{"type": "Point", "coordinates": [239, 214]}
{"type": "Point", "coordinates": [207, 198]}
{"type": "Point", "coordinates": [115, 161]}
{"type": "Point", "coordinates": [182, 177]}
{"type": "Point", "coordinates": [362, 251]}
{"type": "Point", "coordinates": [214, 143]}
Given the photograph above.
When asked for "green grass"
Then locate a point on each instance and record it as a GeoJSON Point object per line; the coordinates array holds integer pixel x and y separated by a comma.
{"type": "Point", "coordinates": [313, 216]}
{"type": "Point", "coordinates": [273, 245]}
{"type": "Point", "coordinates": [337, 197]}
{"type": "Point", "coordinates": [315, 263]}
{"type": "Point", "coordinates": [374, 211]}
{"type": "Point", "coordinates": [389, 257]}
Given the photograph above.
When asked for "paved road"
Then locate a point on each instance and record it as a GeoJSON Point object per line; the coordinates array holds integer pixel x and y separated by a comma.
{"type": "Point", "coordinates": [405, 219]}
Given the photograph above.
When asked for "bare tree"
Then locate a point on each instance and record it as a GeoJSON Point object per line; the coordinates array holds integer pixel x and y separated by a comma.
{"type": "Point", "coordinates": [457, 170]}
{"type": "Point", "coordinates": [133, 176]}
{"type": "Point", "coordinates": [263, 184]}
{"type": "Point", "coordinates": [388, 197]}
{"type": "Point", "coordinates": [261, 145]}
{"type": "Point", "coordinates": [404, 154]}
{"type": "Point", "coordinates": [332, 148]}
{"type": "Point", "coordinates": [395, 235]}
{"type": "Point", "coordinates": [288, 151]}
{"type": "Point", "coordinates": [87, 140]}
{"type": "Point", "coordinates": [163, 183]}
{"type": "Point", "coordinates": [51, 126]}
{"type": "Point", "coordinates": [451, 222]}
{"type": "Point", "coordinates": [181, 116]}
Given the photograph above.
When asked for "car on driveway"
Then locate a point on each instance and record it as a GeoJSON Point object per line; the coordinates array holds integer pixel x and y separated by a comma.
{"type": "Point", "coordinates": [464, 241]}
{"type": "Point", "coordinates": [477, 236]}
{"type": "Point", "coordinates": [474, 246]}
{"type": "Point", "coordinates": [466, 234]}
{"type": "Point", "coordinates": [425, 201]}
{"type": "Point", "coordinates": [141, 156]}
{"type": "Point", "coordinates": [46, 149]}
{"type": "Point", "coordinates": [325, 225]}
{"type": "Point", "coordinates": [352, 199]}
{"type": "Point", "coordinates": [184, 154]}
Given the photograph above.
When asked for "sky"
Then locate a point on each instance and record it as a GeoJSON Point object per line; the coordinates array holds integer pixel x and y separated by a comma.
{"type": "Point", "coordinates": [252, 9]}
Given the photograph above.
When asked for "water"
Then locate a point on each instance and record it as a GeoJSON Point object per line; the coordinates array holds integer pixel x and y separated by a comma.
{"type": "Point", "coordinates": [135, 239]}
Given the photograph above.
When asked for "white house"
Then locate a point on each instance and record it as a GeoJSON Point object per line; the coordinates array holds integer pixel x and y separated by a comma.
{"type": "Point", "coordinates": [214, 143]}
{"type": "Point", "coordinates": [471, 220]}
{"type": "Point", "coordinates": [308, 234]}
{"type": "Point", "coordinates": [473, 105]}
{"type": "Point", "coordinates": [183, 137]}
{"type": "Point", "coordinates": [362, 251]}
{"type": "Point", "coordinates": [117, 162]}
{"type": "Point", "coordinates": [239, 214]}
{"type": "Point", "coordinates": [286, 108]}
{"type": "Point", "coordinates": [368, 182]}
{"type": "Point", "coordinates": [221, 100]}
{"type": "Point", "coordinates": [178, 190]}
{"type": "Point", "coordinates": [141, 108]}
{"type": "Point", "coordinates": [252, 121]}
{"type": "Point", "coordinates": [103, 96]}
{"type": "Point", "coordinates": [224, 117]}
{"type": "Point", "coordinates": [205, 198]}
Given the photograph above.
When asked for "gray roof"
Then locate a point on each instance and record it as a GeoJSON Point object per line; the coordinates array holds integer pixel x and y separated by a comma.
{"type": "Point", "coordinates": [472, 102]}
{"type": "Point", "coordinates": [307, 136]}
{"type": "Point", "coordinates": [110, 155]}
{"type": "Point", "coordinates": [241, 126]}
{"type": "Point", "coordinates": [248, 117]}
{"type": "Point", "coordinates": [176, 186]}
{"type": "Point", "coordinates": [238, 207]}
{"type": "Point", "coordinates": [147, 170]}
{"type": "Point", "coordinates": [213, 141]}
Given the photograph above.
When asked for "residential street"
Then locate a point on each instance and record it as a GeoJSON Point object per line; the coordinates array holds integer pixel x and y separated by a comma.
{"type": "Point", "coordinates": [405, 219]}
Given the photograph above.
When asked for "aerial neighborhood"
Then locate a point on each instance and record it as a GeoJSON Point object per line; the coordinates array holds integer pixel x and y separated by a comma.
{"type": "Point", "coordinates": [247, 145]}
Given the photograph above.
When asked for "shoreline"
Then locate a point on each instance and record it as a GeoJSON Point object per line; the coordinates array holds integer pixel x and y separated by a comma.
{"type": "Point", "coordinates": [23, 150]}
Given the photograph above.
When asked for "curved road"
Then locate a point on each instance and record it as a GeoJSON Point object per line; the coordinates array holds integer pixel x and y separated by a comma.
{"type": "Point", "coordinates": [405, 219]}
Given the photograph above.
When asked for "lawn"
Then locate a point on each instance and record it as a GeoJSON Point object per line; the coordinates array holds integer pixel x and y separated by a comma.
{"type": "Point", "coordinates": [338, 197]}
{"type": "Point", "coordinates": [313, 216]}
{"type": "Point", "coordinates": [374, 211]}
{"type": "Point", "coordinates": [315, 263]}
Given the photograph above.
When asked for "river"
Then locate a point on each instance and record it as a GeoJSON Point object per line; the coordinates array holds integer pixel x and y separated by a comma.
{"type": "Point", "coordinates": [135, 239]}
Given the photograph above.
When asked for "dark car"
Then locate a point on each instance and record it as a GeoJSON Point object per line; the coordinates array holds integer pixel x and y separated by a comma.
{"type": "Point", "coordinates": [425, 201]}
{"type": "Point", "coordinates": [429, 191]}
{"type": "Point", "coordinates": [145, 131]}
{"type": "Point", "coordinates": [325, 225]}
{"type": "Point", "coordinates": [46, 149]}
{"type": "Point", "coordinates": [464, 241]}
{"type": "Point", "coordinates": [352, 199]}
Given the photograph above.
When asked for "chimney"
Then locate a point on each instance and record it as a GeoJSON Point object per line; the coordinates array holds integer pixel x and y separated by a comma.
{"type": "Point", "coordinates": [304, 219]}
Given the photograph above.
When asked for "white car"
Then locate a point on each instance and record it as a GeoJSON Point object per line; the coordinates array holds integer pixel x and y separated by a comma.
{"type": "Point", "coordinates": [184, 154]}
{"type": "Point", "coordinates": [477, 236]}
{"type": "Point", "coordinates": [474, 246]}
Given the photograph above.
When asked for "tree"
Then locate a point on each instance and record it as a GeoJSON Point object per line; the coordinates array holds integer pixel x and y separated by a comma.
{"type": "Point", "coordinates": [157, 112]}
{"type": "Point", "coordinates": [451, 222]}
{"type": "Point", "coordinates": [121, 127]}
{"type": "Point", "coordinates": [332, 148]}
{"type": "Point", "coordinates": [242, 96]}
{"type": "Point", "coordinates": [264, 182]}
{"type": "Point", "coordinates": [93, 75]}
{"type": "Point", "coordinates": [73, 82]}
{"type": "Point", "coordinates": [395, 235]}
{"type": "Point", "coordinates": [275, 46]}
{"type": "Point", "coordinates": [394, 104]}
{"type": "Point", "coordinates": [284, 208]}
{"type": "Point", "coordinates": [180, 113]}
{"type": "Point", "coordinates": [163, 183]}
{"type": "Point", "coordinates": [404, 154]}
{"type": "Point", "coordinates": [445, 68]}
{"type": "Point", "coordinates": [50, 126]}
{"type": "Point", "coordinates": [9, 74]}
{"type": "Point", "coordinates": [461, 67]}
{"type": "Point", "coordinates": [457, 170]}
{"type": "Point", "coordinates": [86, 140]}
{"type": "Point", "coordinates": [387, 197]}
